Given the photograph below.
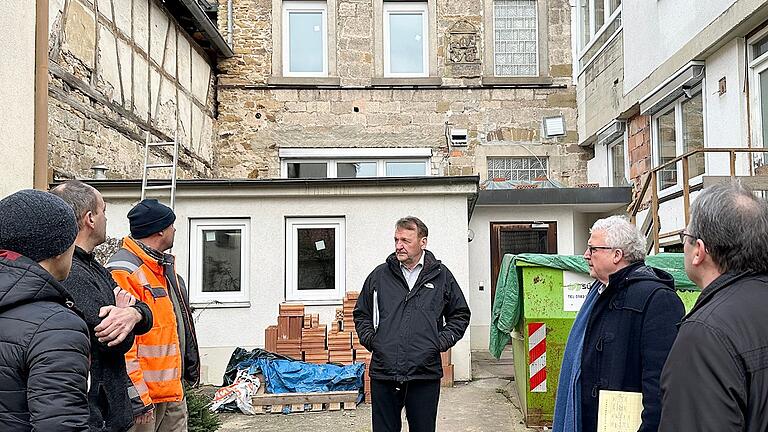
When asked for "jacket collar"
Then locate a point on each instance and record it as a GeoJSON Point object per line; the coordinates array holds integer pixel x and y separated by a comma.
{"type": "Point", "coordinates": [619, 277]}
{"type": "Point", "coordinates": [23, 280]}
{"type": "Point", "coordinates": [151, 257]}
{"type": "Point", "coordinates": [83, 255]}
{"type": "Point", "coordinates": [707, 293]}
{"type": "Point", "coordinates": [430, 262]}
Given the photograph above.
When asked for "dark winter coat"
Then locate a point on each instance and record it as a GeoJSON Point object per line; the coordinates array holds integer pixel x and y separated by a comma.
{"type": "Point", "coordinates": [91, 287]}
{"type": "Point", "coordinates": [411, 333]}
{"type": "Point", "coordinates": [43, 352]}
{"type": "Point", "coordinates": [630, 331]}
{"type": "Point", "coordinates": [716, 376]}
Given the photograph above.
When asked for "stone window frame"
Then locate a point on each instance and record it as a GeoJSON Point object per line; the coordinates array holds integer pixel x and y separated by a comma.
{"type": "Point", "coordinates": [432, 79]}
{"type": "Point", "coordinates": [278, 76]}
{"type": "Point", "coordinates": [675, 107]}
{"type": "Point", "coordinates": [489, 78]}
{"type": "Point", "coordinates": [320, 296]}
{"type": "Point", "coordinates": [196, 294]}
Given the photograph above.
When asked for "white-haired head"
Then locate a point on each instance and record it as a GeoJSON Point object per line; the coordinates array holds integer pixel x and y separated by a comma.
{"type": "Point", "coordinates": [620, 233]}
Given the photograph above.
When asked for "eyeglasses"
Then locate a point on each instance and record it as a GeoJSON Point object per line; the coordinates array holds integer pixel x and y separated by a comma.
{"type": "Point", "coordinates": [592, 249]}
{"type": "Point", "coordinates": [684, 234]}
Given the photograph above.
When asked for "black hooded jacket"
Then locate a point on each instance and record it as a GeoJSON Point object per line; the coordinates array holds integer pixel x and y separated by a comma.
{"type": "Point", "coordinates": [91, 286]}
{"type": "Point", "coordinates": [43, 352]}
{"type": "Point", "coordinates": [414, 326]}
{"type": "Point", "coordinates": [716, 376]}
{"type": "Point", "coordinates": [629, 334]}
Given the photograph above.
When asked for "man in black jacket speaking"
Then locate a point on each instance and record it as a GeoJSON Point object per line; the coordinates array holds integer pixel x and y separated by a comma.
{"type": "Point", "coordinates": [113, 315]}
{"type": "Point", "coordinates": [409, 311]}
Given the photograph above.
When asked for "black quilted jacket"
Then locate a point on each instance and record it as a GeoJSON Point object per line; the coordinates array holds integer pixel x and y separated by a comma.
{"type": "Point", "coordinates": [43, 352]}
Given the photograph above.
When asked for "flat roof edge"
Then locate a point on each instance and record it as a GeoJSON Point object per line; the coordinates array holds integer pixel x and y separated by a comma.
{"type": "Point", "coordinates": [602, 195]}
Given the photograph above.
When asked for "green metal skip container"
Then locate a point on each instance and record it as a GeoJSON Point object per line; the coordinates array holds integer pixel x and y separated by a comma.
{"type": "Point", "coordinates": [537, 298]}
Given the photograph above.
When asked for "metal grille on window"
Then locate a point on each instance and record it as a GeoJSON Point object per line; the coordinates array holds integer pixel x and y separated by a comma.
{"type": "Point", "coordinates": [515, 43]}
{"type": "Point", "coordinates": [517, 169]}
{"type": "Point", "coordinates": [527, 241]}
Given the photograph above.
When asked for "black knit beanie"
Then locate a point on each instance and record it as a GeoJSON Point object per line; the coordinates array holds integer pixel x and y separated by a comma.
{"type": "Point", "coordinates": [36, 224]}
{"type": "Point", "coordinates": [149, 217]}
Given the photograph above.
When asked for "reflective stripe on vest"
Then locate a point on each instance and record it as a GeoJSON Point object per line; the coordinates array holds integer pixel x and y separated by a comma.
{"type": "Point", "coordinates": [132, 366]}
{"type": "Point", "coordinates": [133, 393]}
{"type": "Point", "coordinates": [156, 350]}
{"type": "Point", "coordinates": [138, 389]}
{"type": "Point", "coordinates": [153, 376]}
{"type": "Point", "coordinates": [122, 265]}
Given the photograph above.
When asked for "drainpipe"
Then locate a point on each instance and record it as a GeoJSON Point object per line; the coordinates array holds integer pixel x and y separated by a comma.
{"type": "Point", "coordinates": [40, 160]}
{"type": "Point", "coordinates": [230, 24]}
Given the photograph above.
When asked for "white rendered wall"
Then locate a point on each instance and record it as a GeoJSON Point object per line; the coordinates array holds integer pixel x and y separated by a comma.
{"type": "Point", "coordinates": [369, 231]}
{"type": "Point", "coordinates": [655, 30]}
{"type": "Point", "coordinates": [17, 95]}
{"type": "Point", "coordinates": [480, 255]}
{"type": "Point", "coordinates": [726, 115]}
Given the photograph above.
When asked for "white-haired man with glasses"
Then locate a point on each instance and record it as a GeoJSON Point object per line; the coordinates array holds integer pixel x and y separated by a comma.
{"type": "Point", "coordinates": [623, 332]}
{"type": "Point", "coordinates": [716, 377]}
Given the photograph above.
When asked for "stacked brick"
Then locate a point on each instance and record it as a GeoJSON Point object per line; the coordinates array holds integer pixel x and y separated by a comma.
{"type": "Point", "coordinates": [447, 380]}
{"type": "Point", "coordinates": [290, 322]}
{"type": "Point", "coordinates": [313, 340]}
{"type": "Point", "coordinates": [301, 337]}
{"type": "Point", "coordinates": [362, 355]}
{"type": "Point", "coordinates": [340, 347]}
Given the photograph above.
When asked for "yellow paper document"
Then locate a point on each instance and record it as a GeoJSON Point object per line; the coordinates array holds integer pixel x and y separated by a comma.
{"type": "Point", "coordinates": [619, 411]}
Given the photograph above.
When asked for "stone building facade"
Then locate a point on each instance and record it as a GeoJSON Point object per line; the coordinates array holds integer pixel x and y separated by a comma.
{"type": "Point", "coordinates": [265, 110]}
{"type": "Point", "coordinates": [119, 69]}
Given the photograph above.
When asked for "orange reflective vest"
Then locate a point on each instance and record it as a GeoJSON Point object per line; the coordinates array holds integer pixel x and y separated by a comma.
{"type": "Point", "coordinates": [154, 362]}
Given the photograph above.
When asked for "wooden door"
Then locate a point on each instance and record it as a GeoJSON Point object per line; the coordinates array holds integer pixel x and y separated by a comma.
{"type": "Point", "coordinates": [517, 238]}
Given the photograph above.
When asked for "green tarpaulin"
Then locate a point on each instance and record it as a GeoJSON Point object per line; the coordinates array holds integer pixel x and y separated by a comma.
{"type": "Point", "coordinates": [507, 307]}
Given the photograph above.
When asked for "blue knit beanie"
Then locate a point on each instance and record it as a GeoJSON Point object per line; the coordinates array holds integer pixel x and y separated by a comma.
{"type": "Point", "coordinates": [149, 217]}
{"type": "Point", "coordinates": [36, 224]}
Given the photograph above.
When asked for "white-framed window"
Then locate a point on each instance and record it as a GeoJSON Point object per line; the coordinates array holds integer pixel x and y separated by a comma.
{"type": "Point", "coordinates": [517, 168]}
{"type": "Point", "coordinates": [597, 22]}
{"type": "Point", "coordinates": [406, 39]}
{"type": "Point", "coordinates": [315, 259]}
{"type": "Point", "coordinates": [515, 38]}
{"type": "Point", "coordinates": [219, 258]}
{"type": "Point", "coordinates": [617, 163]}
{"type": "Point", "coordinates": [758, 64]}
{"type": "Point", "coordinates": [305, 38]}
{"type": "Point", "coordinates": [354, 168]}
{"type": "Point", "coordinates": [679, 129]}
{"type": "Point", "coordinates": [354, 162]}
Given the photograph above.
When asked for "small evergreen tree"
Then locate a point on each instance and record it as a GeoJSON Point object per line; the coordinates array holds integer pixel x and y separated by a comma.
{"type": "Point", "coordinates": [201, 419]}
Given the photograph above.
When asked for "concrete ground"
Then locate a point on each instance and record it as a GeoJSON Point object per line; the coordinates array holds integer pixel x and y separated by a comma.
{"type": "Point", "coordinates": [488, 403]}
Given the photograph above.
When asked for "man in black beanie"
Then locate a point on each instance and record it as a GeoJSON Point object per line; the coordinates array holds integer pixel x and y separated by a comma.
{"type": "Point", "coordinates": [113, 316]}
{"type": "Point", "coordinates": [160, 359]}
{"type": "Point", "coordinates": [43, 343]}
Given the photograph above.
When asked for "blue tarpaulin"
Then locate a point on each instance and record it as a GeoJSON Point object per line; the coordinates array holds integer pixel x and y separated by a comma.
{"type": "Point", "coordinates": [290, 376]}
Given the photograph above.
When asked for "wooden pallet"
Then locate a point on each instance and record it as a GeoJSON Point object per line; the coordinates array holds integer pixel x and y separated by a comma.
{"type": "Point", "coordinates": [287, 403]}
